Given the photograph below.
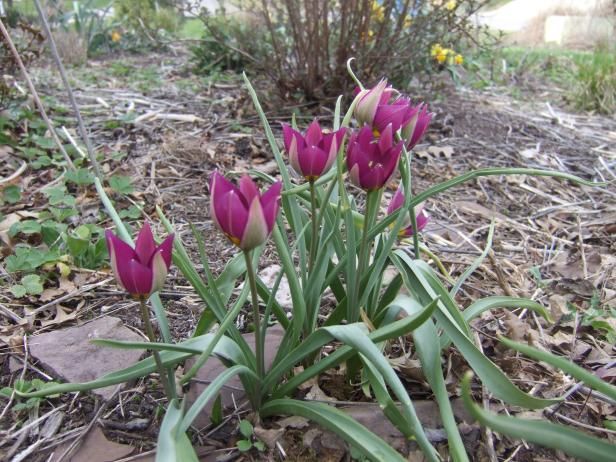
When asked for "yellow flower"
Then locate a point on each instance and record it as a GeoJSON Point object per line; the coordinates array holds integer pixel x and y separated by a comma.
{"type": "Point", "coordinates": [378, 11]}
{"type": "Point", "coordinates": [459, 59]}
{"type": "Point", "coordinates": [115, 36]}
{"type": "Point", "coordinates": [451, 5]}
{"type": "Point", "coordinates": [408, 21]}
{"type": "Point", "coordinates": [436, 49]}
{"type": "Point", "coordinates": [441, 56]}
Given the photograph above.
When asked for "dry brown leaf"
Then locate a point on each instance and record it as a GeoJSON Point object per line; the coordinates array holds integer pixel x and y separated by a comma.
{"type": "Point", "coordinates": [62, 315]}
{"type": "Point", "coordinates": [269, 436]}
{"type": "Point", "coordinates": [293, 421]}
{"type": "Point", "coordinates": [50, 294]}
{"type": "Point", "coordinates": [316, 394]}
{"type": "Point", "coordinates": [517, 330]}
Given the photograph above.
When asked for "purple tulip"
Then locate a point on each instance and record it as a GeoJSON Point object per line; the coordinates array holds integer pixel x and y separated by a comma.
{"type": "Point", "coordinates": [140, 271]}
{"type": "Point", "coordinates": [312, 154]}
{"type": "Point", "coordinates": [372, 160]}
{"type": "Point", "coordinates": [401, 114]}
{"type": "Point", "coordinates": [414, 129]}
{"type": "Point", "coordinates": [421, 216]}
{"type": "Point", "coordinates": [242, 213]}
{"type": "Point", "coordinates": [369, 100]}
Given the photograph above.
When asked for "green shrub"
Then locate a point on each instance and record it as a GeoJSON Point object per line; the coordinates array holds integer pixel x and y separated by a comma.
{"type": "Point", "coordinates": [304, 46]}
{"type": "Point", "coordinates": [147, 20]}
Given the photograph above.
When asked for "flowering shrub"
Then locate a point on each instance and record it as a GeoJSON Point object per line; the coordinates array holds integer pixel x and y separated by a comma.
{"type": "Point", "coordinates": [303, 46]}
{"type": "Point", "coordinates": [326, 240]}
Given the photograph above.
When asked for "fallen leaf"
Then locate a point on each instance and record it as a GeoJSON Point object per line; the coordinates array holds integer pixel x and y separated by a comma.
{"type": "Point", "coordinates": [50, 294]}
{"type": "Point", "coordinates": [268, 436]}
{"type": "Point", "coordinates": [62, 315]}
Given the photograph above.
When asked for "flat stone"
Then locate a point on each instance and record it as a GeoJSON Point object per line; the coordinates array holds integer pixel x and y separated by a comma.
{"type": "Point", "coordinates": [232, 393]}
{"type": "Point", "coordinates": [95, 448]}
{"type": "Point", "coordinates": [69, 355]}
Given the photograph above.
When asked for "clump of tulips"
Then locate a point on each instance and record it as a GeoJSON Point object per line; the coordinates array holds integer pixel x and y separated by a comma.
{"type": "Point", "coordinates": [331, 235]}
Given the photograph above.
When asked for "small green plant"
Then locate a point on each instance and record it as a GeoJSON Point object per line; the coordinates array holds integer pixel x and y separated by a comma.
{"type": "Point", "coordinates": [600, 317]}
{"type": "Point", "coordinates": [249, 441]}
{"type": "Point", "coordinates": [26, 386]}
{"type": "Point", "coordinates": [595, 88]}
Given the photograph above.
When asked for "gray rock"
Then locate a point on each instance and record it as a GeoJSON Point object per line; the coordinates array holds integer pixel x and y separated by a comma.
{"type": "Point", "coordinates": [69, 355]}
{"type": "Point", "coordinates": [233, 392]}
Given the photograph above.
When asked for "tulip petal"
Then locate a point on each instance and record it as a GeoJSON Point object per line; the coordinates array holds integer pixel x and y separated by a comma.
{"type": "Point", "coordinates": [145, 245]}
{"type": "Point", "coordinates": [366, 106]}
{"type": "Point", "coordinates": [312, 162]}
{"type": "Point", "coordinates": [159, 271]}
{"type": "Point", "coordinates": [270, 202]}
{"type": "Point", "coordinates": [389, 114]}
{"type": "Point", "coordinates": [227, 206]}
{"type": "Point", "coordinates": [255, 232]}
{"type": "Point", "coordinates": [396, 201]}
{"type": "Point", "coordinates": [248, 188]}
{"type": "Point", "coordinates": [165, 249]}
{"type": "Point", "coordinates": [139, 279]}
{"type": "Point", "coordinates": [387, 138]}
{"type": "Point", "coordinates": [313, 134]}
{"type": "Point", "coordinates": [354, 176]}
{"type": "Point", "coordinates": [294, 155]}
{"type": "Point", "coordinates": [287, 136]}
{"type": "Point", "coordinates": [120, 254]}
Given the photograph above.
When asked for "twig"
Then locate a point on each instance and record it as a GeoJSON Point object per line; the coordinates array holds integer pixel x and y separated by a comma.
{"type": "Point", "coordinates": [35, 95]}
{"type": "Point", "coordinates": [70, 295]}
{"type": "Point", "coordinates": [16, 174]}
{"type": "Point", "coordinates": [69, 90]}
{"type": "Point", "coordinates": [583, 425]}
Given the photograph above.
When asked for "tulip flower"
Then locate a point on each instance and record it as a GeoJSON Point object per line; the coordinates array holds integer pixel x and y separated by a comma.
{"type": "Point", "coordinates": [421, 216]}
{"type": "Point", "coordinates": [412, 120]}
{"type": "Point", "coordinates": [414, 129]}
{"type": "Point", "coordinates": [369, 100]}
{"type": "Point", "coordinates": [242, 213]}
{"type": "Point", "coordinates": [140, 271]}
{"type": "Point", "coordinates": [372, 160]}
{"type": "Point", "coordinates": [311, 155]}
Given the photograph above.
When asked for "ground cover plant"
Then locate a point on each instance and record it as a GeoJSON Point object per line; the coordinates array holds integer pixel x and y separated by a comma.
{"type": "Point", "coordinates": [339, 170]}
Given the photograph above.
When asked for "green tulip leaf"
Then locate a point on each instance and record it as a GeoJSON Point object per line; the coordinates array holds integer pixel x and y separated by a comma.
{"type": "Point", "coordinates": [544, 433]}
{"type": "Point", "coordinates": [358, 436]}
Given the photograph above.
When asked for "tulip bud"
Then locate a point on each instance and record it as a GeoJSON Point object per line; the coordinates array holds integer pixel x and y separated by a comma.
{"type": "Point", "coordinates": [140, 271]}
{"type": "Point", "coordinates": [311, 155]}
{"type": "Point", "coordinates": [369, 100]}
{"type": "Point", "coordinates": [372, 160]}
{"type": "Point", "coordinates": [421, 216]}
{"type": "Point", "coordinates": [242, 213]}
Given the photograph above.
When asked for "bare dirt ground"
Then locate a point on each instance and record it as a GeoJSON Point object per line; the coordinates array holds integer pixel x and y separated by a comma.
{"type": "Point", "coordinates": [554, 241]}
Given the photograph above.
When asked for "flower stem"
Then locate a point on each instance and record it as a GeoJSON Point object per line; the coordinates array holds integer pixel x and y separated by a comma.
{"type": "Point", "coordinates": [315, 227]}
{"type": "Point", "coordinates": [168, 382]}
{"type": "Point", "coordinates": [372, 207]}
{"type": "Point", "coordinates": [252, 280]}
{"type": "Point", "coordinates": [415, 234]}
